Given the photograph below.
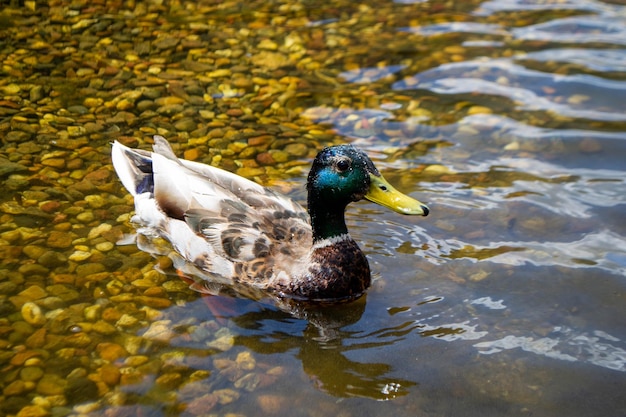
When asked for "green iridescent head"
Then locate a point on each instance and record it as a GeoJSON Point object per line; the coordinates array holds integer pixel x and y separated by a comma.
{"type": "Point", "coordinates": [343, 174]}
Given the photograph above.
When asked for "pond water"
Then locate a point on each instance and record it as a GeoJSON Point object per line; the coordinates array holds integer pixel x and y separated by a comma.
{"type": "Point", "coordinates": [506, 117]}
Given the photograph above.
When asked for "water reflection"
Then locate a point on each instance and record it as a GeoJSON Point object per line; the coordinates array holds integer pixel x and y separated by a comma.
{"type": "Point", "coordinates": [577, 254]}
{"type": "Point", "coordinates": [458, 27]}
{"type": "Point", "coordinates": [588, 29]}
{"type": "Point", "coordinates": [323, 341]}
{"type": "Point", "coordinates": [563, 343]}
{"type": "Point", "coordinates": [496, 6]}
{"type": "Point", "coordinates": [605, 60]}
{"type": "Point", "coordinates": [579, 96]}
{"type": "Point", "coordinates": [366, 75]}
{"type": "Point", "coordinates": [522, 317]}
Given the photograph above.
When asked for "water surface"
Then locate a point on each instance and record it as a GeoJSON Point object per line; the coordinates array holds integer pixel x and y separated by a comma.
{"type": "Point", "coordinates": [506, 117]}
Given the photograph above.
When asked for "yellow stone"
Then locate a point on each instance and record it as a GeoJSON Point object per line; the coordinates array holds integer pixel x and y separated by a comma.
{"type": "Point", "coordinates": [79, 256]}
{"type": "Point", "coordinates": [54, 162]}
{"type": "Point", "coordinates": [438, 170]}
{"type": "Point", "coordinates": [33, 411]}
{"type": "Point", "coordinates": [245, 361]}
{"type": "Point", "coordinates": [454, 49]}
{"type": "Point", "coordinates": [191, 154]}
{"type": "Point", "coordinates": [105, 246]}
{"type": "Point", "coordinates": [268, 44]}
{"type": "Point", "coordinates": [32, 314]}
{"type": "Point", "coordinates": [219, 73]}
{"type": "Point", "coordinates": [479, 110]}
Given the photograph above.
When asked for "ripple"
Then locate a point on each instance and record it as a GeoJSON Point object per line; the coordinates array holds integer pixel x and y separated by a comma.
{"type": "Point", "coordinates": [605, 60]}
{"type": "Point", "coordinates": [496, 6]}
{"type": "Point", "coordinates": [370, 74]}
{"type": "Point", "coordinates": [344, 123]}
{"type": "Point", "coordinates": [577, 96]}
{"type": "Point", "coordinates": [587, 29]}
{"type": "Point", "coordinates": [573, 192]}
{"type": "Point", "coordinates": [565, 344]}
{"type": "Point", "coordinates": [514, 128]}
{"type": "Point", "coordinates": [593, 250]}
{"type": "Point", "coordinates": [489, 303]}
{"type": "Point", "coordinates": [457, 27]}
{"type": "Point", "coordinates": [452, 332]}
{"type": "Point", "coordinates": [482, 44]}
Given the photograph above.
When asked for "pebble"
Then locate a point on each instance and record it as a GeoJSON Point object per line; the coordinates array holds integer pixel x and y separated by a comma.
{"type": "Point", "coordinates": [58, 163]}
{"type": "Point", "coordinates": [438, 170]}
{"type": "Point", "coordinates": [93, 102]}
{"type": "Point", "coordinates": [59, 240]}
{"type": "Point", "coordinates": [16, 387]}
{"type": "Point", "coordinates": [248, 382]}
{"type": "Point", "coordinates": [169, 380]}
{"type": "Point", "coordinates": [268, 44]}
{"type": "Point", "coordinates": [223, 341]}
{"type": "Point", "coordinates": [89, 269]}
{"type": "Point", "coordinates": [159, 330]}
{"type": "Point", "coordinates": [79, 256]}
{"type": "Point", "coordinates": [20, 358]}
{"type": "Point", "coordinates": [51, 384]}
{"type": "Point", "coordinates": [127, 321]}
{"type": "Point", "coordinates": [33, 270]}
{"type": "Point", "coordinates": [186, 124]}
{"type": "Point", "coordinates": [95, 201]}
{"type": "Point", "coordinates": [111, 352]}
{"type": "Point", "coordinates": [105, 246]}
{"type": "Point", "coordinates": [245, 361]}
{"type": "Point", "coordinates": [31, 373]}
{"type": "Point", "coordinates": [85, 217]}
{"type": "Point", "coordinates": [590, 146]}
{"type": "Point", "coordinates": [17, 136]}
{"type": "Point", "coordinates": [33, 292]}
{"type": "Point", "coordinates": [479, 110]}
{"type": "Point", "coordinates": [296, 149]}
{"type": "Point", "coordinates": [110, 374]}
{"type": "Point", "coordinates": [37, 339]}
{"type": "Point", "coordinates": [33, 411]}
{"type": "Point", "coordinates": [103, 327]}
{"type": "Point", "coordinates": [76, 131]}
{"type": "Point", "coordinates": [202, 405]}
{"type": "Point", "coordinates": [34, 251]}
{"type": "Point", "coordinates": [99, 230]}
{"type": "Point", "coordinates": [270, 403]}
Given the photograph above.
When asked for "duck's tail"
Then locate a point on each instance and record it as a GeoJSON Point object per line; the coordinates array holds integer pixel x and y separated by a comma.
{"type": "Point", "coordinates": [134, 168]}
{"type": "Point", "coordinates": [163, 189]}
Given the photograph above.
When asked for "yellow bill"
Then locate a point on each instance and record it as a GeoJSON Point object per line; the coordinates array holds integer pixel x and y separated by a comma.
{"type": "Point", "coordinates": [383, 193]}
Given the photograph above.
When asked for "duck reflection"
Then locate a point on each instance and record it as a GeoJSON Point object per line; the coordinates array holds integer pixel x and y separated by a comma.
{"type": "Point", "coordinates": [324, 347]}
{"type": "Point", "coordinates": [320, 337]}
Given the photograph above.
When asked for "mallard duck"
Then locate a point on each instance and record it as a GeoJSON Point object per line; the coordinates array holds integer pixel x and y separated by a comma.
{"type": "Point", "coordinates": [238, 232]}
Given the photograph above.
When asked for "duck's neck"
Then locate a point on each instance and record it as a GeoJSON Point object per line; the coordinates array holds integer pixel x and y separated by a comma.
{"type": "Point", "coordinates": [327, 220]}
{"type": "Point", "coordinates": [337, 268]}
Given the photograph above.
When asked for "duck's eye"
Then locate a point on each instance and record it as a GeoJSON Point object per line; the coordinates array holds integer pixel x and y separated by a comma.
{"type": "Point", "coordinates": [343, 165]}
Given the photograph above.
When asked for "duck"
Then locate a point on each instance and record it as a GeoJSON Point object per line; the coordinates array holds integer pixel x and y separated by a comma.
{"type": "Point", "coordinates": [236, 232]}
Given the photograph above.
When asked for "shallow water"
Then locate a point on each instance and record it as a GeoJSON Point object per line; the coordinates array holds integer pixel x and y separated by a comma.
{"type": "Point", "coordinates": [505, 117]}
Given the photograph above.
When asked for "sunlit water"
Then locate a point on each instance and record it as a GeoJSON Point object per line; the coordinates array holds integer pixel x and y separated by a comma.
{"type": "Point", "coordinates": [509, 299]}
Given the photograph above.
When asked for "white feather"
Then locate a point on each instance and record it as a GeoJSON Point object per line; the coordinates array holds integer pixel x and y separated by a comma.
{"type": "Point", "coordinates": [126, 171]}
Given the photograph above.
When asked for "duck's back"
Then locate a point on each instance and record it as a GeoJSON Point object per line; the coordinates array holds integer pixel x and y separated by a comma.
{"type": "Point", "coordinates": [229, 227]}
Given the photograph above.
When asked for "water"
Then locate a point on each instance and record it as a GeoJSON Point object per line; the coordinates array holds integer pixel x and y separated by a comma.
{"type": "Point", "coordinates": [505, 117]}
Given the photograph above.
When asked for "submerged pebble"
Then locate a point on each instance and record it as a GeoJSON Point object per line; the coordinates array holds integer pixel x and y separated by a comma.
{"type": "Point", "coordinates": [33, 314]}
